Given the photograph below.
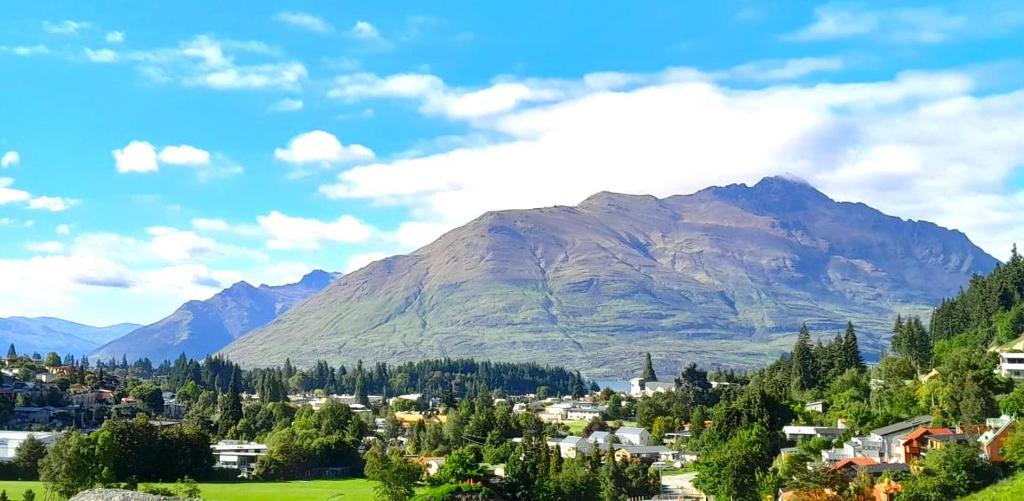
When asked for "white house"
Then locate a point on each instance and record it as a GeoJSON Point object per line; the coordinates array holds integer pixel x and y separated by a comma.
{"type": "Point", "coordinates": [569, 446]}
{"type": "Point", "coordinates": [639, 387]}
{"type": "Point", "coordinates": [1011, 364]}
{"type": "Point", "coordinates": [10, 440]}
{"type": "Point", "coordinates": [629, 435]}
{"type": "Point", "coordinates": [583, 413]}
{"type": "Point", "coordinates": [600, 437]}
{"type": "Point", "coordinates": [796, 432]}
{"type": "Point", "coordinates": [237, 454]}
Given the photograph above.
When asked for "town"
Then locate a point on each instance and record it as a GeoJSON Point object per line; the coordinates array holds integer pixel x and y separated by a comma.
{"type": "Point", "coordinates": [932, 419]}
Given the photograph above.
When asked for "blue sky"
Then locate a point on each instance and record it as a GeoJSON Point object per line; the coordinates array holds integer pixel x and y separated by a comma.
{"type": "Point", "coordinates": [156, 152]}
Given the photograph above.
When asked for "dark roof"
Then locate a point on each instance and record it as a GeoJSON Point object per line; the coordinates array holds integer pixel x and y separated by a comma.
{"type": "Point", "coordinates": [955, 437]}
{"type": "Point", "coordinates": [902, 425]}
{"type": "Point", "coordinates": [877, 469]}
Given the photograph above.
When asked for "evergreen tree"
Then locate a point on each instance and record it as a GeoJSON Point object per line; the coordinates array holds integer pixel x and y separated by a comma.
{"type": "Point", "coordinates": [231, 409]}
{"type": "Point", "coordinates": [649, 374]}
{"type": "Point", "coordinates": [361, 395]}
{"type": "Point", "coordinates": [577, 386]}
{"type": "Point", "coordinates": [802, 365]}
{"type": "Point", "coordinates": [851, 350]}
{"type": "Point", "coordinates": [11, 352]}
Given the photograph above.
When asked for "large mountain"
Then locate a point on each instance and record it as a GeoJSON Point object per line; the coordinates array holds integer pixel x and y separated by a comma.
{"type": "Point", "coordinates": [200, 328]}
{"type": "Point", "coordinates": [724, 276]}
{"type": "Point", "coordinates": [46, 334]}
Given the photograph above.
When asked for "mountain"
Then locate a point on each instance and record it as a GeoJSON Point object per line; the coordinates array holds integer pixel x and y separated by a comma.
{"type": "Point", "coordinates": [44, 334]}
{"type": "Point", "coordinates": [200, 328]}
{"type": "Point", "coordinates": [724, 276]}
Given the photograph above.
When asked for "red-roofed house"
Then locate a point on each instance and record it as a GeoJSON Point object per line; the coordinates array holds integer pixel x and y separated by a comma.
{"type": "Point", "coordinates": [915, 443]}
{"type": "Point", "coordinates": [857, 461]}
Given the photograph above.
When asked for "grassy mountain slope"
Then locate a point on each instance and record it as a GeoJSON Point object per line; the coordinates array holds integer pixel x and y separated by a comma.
{"type": "Point", "coordinates": [722, 276]}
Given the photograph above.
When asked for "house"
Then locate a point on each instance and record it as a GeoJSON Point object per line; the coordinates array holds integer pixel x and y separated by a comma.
{"type": "Point", "coordinates": [11, 440]}
{"type": "Point", "coordinates": [891, 436]}
{"type": "Point", "coordinates": [644, 452]}
{"type": "Point", "coordinates": [936, 442]}
{"type": "Point", "coordinates": [1011, 364]}
{"type": "Point", "coordinates": [629, 435]}
{"type": "Point", "coordinates": [62, 370]}
{"type": "Point", "coordinates": [915, 443]}
{"type": "Point", "coordinates": [47, 377]}
{"type": "Point", "coordinates": [815, 406]}
{"type": "Point", "coordinates": [430, 463]}
{"type": "Point", "coordinates": [869, 447]}
{"type": "Point", "coordinates": [569, 446]}
{"type": "Point", "coordinates": [797, 432]}
{"type": "Point", "coordinates": [600, 437]}
{"type": "Point", "coordinates": [238, 454]}
{"type": "Point", "coordinates": [639, 387]}
{"type": "Point", "coordinates": [997, 430]}
{"type": "Point", "coordinates": [584, 413]}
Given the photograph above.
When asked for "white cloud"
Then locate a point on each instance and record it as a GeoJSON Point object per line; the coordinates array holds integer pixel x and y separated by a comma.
{"type": "Point", "coordinates": [52, 204]}
{"type": "Point", "coordinates": [207, 61]}
{"type": "Point", "coordinates": [785, 69]}
{"type": "Point", "coordinates": [63, 229]}
{"type": "Point", "coordinates": [363, 30]}
{"type": "Point", "coordinates": [100, 55]}
{"type": "Point", "coordinates": [286, 104]}
{"type": "Point", "coordinates": [115, 37]}
{"type": "Point", "coordinates": [885, 143]}
{"type": "Point", "coordinates": [174, 245]}
{"type": "Point", "coordinates": [137, 156]}
{"type": "Point", "coordinates": [184, 155]}
{"type": "Point", "coordinates": [25, 50]}
{"type": "Point", "coordinates": [305, 21]}
{"type": "Point", "coordinates": [923, 25]}
{"type": "Point", "coordinates": [65, 27]}
{"type": "Point", "coordinates": [11, 195]}
{"type": "Point", "coordinates": [286, 232]}
{"type": "Point", "coordinates": [51, 247]}
{"type": "Point", "coordinates": [10, 159]}
{"type": "Point", "coordinates": [321, 148]}
{"type": "Point", "coordinates": [205, 224]}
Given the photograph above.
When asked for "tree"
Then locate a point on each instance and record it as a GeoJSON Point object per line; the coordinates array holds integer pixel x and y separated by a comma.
{"type": "Point", "coordinates": [460, 466]}
{"type": "Point", "coordinates": [949, 473]}
{"type": "Point", "coordinates": [649, 374]}
{"type": "Point", "coordinates": [394, 475]}
{"type": "Point", "coordinates": [28, 455]}
{"type": "Point", "coordinates": [1013, 447]}
{"type": "Point", "coordinates": [361, 394]}
{"type": "Point", "coordinates": [852, 358]}
{"type": "Point", "coordinates": [28, 495]}
{"type": "Point", "coordinates": [52, 359]}
{"type": "Point", "coordinates": [11, 352]}
{"type": "Point", "coordinates": [731, 470]}
{"type": "Point", "coordinates": [150, 396]}
{"type": "Point", "coordinates": [70, 466]}
{"type": "Point", "coordinates": [802, 366]}
{"type": "Point", "coordinates": [577, 386]}
{"type": "Point", "coordinates": [231, 409]}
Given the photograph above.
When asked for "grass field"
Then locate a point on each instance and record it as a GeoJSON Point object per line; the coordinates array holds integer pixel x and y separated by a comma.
{"type": "Point", "coordinates": [355, 489]}
{"type": "Point", "coordinates": [1011, 489]}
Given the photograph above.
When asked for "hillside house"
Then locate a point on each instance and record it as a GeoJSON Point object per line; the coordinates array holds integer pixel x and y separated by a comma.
{"type": "Point", "coordinates": [1011, 364]}
{"type": "Point", "coordinates": [639, 387]}
{"type": "Point", "coordinates": [584, 413]}
{"type": "Point", "coordinates": [891, 436]}
{"type": "Point", "coordinates": [915, 443]}
{"type": "Point", "coordinates": [645, 452]}
{"type": "Point", "coordinates": [996, 432]}
{"type": "Point", "coordinates": [797, 432]}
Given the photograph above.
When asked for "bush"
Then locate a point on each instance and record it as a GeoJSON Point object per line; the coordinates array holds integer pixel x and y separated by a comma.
{"type": "Point", "coordinates": [157, 490]}
{"type": "Point", "coordinates": [456, 492]}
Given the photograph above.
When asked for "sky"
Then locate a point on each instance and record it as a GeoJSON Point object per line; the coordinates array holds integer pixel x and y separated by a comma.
{"type": "Point", "coordinates": [156, 152]}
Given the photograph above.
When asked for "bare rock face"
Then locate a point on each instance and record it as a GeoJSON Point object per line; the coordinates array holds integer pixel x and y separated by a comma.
{"type": "Point", "coordinates": [724, 276]}
{"type": "Point", "coordinates": [200, 328]}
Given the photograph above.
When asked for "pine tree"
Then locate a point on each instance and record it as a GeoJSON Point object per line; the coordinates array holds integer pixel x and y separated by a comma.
{"type": "Point", "coordinates": [851, 350]}
{"type": "Point", "coordinates": [231, 412]}
{"type": "Point", "coordinates": [802, 362]}
{"type": "Point", "coordinates": [361, 396]}
{"type": "Point", "coordinates": [649, 374]}
{"type": "Point", "coordinates": [577, 386]}
{"type": "Point", "coordinates": [11, 352]}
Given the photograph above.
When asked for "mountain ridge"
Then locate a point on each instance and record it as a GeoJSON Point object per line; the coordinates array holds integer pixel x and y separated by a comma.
{"type": "Point", "coordinates": [722, 276]}
{"type": "Point", "coordinates": [45, 334]}
{"type": "Point", "coordinates": [201, 327]}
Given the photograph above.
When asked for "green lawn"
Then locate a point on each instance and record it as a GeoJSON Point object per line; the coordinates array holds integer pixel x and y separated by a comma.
{"type": "Point", "coordinates": [1011, 489]}
{"type": "Point", "coordinates": [355, 489]}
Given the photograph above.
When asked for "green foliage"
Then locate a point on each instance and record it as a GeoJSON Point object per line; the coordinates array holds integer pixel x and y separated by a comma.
{"type": "Point", "coordinates": [27, 457]}
{"type": "Point", "coordinates": [648, 373]}
{"type": "Point", "coordinates": [70, 467]}
{"type": "Point", "coordinates": [911, 341]}
{"type": "Point", "coordinates": [731, 471]}
{"type": "Point", "coordinates": [394, 475]}
{"type": "Point", "coordinates": [29, 494]}
{"type": "Point", "coordinates": [461, 465]}
{"type": "Point", "coordinates": [802, 364]}
{"type": "Point", "coordinates": [947, 473]}
{"type": "Point", "coordinates": [455, 492]}
{"type": "Point", "coordinates": [1013, 447]}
